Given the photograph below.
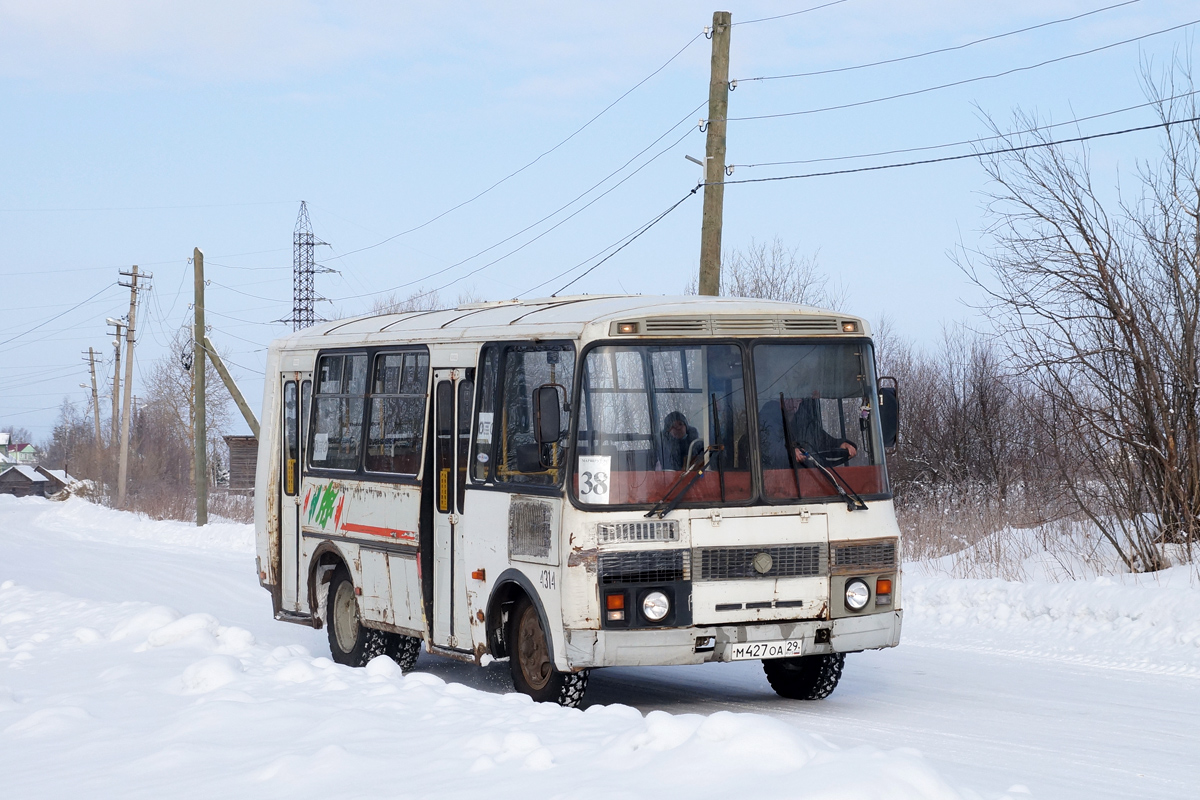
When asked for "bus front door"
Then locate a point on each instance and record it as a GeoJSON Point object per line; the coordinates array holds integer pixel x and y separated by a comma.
{"type": "Point", "coordinates": [296, 396]}
{"type": "Point", "coordinates": [452, 396]}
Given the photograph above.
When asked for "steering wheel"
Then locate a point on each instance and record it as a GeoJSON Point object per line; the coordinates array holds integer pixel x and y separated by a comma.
{"type": "Point", "coordinates": [697, 448]}
{"type": "Point", "coordinates": [835, 457]}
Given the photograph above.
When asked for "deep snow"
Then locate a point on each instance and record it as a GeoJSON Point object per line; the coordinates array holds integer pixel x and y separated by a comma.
{"type": "Point", "coordinates": [139, 658]}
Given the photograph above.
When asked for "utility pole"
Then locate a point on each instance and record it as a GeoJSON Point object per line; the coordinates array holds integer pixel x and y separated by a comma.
{"type": "Point", "coordinates": [714, 162]}
{"type": "Point", "coordinates": [200, 434]}
{"type": "Point", "coordinates": [118, 326]}
{"type": "Point", "coordinates": [134, 288]}
{"type": "Point", "coordinates": [95, 395]}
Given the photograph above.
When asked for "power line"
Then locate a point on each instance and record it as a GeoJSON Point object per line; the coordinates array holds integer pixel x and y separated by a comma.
{"type": "Point", "coordinates": [630, 237]}
{"type": "Point", "coordinates": [247, 294]}
{"type": "Point", "coordinates": [558, 224]}
{"type": "Point", "coordinates": [147, 208]}
{"type": "Point", "coordinates": [1002, 151]}
{"type": "Point", "coordinates": [897, 151]}
{"type": "Point", "coordinates": [792, 14]}
{"type": "Point", "coordinates": [542, 155]}
{"type": "Point", "coordinates": [56, 316]}
{"type": "Point", "coordinates": [965, 80]}
{"type": "Point", "coordinates": [939, 50]}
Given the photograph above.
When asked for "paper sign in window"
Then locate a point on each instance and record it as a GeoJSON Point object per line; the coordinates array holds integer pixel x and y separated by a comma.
{"type": "Point", "coordinates": [593, 475]}
{"type": "Point", "coordinates": [320, 446]}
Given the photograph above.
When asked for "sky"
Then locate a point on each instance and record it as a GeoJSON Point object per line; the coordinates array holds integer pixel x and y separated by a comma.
{"type": "Point", "coordinates": [134, 131]}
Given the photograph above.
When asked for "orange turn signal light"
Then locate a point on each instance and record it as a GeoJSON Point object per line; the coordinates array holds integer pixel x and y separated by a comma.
{"type": "Point", "coordinates": [883, 586]}
{"type": "Point", "coordinates": [615, 602]}
{"type": "Point", "coordinates": [479, 575]}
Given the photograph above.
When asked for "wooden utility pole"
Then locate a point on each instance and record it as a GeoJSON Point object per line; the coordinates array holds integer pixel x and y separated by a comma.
{"type": "Point", "coordinates": [714, 162]}
{"type": "Point", "coordinates": [118, 325]}
{"type": "Point", "coordinates": [200, 434]}
{"type": "Point", "coordinates": [127, 412]}
{"type": "Point", "coordinates": [95, 396]}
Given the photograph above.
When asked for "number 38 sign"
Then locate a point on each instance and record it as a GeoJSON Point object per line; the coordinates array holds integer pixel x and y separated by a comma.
{"type": "Point", "coordinates": [593, 479]}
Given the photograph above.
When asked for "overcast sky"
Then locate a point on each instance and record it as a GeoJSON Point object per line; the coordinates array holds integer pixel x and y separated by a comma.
{"type": "Point", "coordinates": [134, 131]}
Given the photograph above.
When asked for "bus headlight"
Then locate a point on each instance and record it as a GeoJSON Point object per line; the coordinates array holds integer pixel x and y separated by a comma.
{"type": "Point", "coordinates": [857, 594]}
{"type": "Point", "coordinates": [655, 606]}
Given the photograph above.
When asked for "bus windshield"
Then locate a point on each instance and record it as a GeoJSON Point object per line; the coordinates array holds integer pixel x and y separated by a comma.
{"type": "Point", "coordinates": [814, 403]}
{"type": "Point", "coordinates": [648, 412]}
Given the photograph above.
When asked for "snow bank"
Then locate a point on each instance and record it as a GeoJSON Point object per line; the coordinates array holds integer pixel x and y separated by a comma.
{"type": "Point", "coordinates": [83, 520]}
{"type": "Point", "coordinates": [151, 703]}
{"type": "Point", "coordinates": [1137, 622]}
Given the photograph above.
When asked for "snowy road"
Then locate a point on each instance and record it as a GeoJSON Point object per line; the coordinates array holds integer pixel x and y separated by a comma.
{"type": "Point", "coordinates": [139, 659]}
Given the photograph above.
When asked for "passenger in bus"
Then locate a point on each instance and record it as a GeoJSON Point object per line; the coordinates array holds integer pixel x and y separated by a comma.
{"type": "Point", "coordinates": [677, 441]}
{"type": "Point", "coordinates": [806, 430]}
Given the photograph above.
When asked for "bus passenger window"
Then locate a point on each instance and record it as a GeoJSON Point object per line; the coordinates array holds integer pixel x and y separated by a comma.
{"type": "Point", "coordinates": [485, 415]}
{"type": "Point", "coordinates": [291, 440]}
{"type": "Point", "coordinates": [466, 392]}
{"type": "Point", "coordinates": [338, 412]}
{"type": "Point", "coordinates": [520, 459]}
{"type": "Point", "coordinates": [397, 426]}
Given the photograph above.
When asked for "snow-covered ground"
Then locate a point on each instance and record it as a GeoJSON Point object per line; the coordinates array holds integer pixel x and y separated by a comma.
{"type": "Point", "coordinates": [139, 659]}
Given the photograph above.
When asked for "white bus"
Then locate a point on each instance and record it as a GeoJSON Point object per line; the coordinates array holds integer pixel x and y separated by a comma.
{"type": "Point", "coordinates": [581, 482]}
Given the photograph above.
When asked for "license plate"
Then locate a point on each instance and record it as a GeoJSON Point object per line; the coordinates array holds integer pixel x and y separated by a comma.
{"type": "Point", "coordinates": [785, 648]}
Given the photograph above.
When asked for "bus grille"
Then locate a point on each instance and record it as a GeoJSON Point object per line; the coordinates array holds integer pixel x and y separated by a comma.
{"type": "Point", "coordinates": [653, 566]}
{"type": "Point", "coordinates": [733, 563]}
{"type": "Point", "coordinates": [659, 530]}
{"type": "Point", "coordinates": [529, 526]}
{"type": "Point", "coordinates": [874, 555]}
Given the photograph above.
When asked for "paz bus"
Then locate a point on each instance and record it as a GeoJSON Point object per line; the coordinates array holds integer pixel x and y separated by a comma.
{"type": "Point", "coordinates": [580, 482]}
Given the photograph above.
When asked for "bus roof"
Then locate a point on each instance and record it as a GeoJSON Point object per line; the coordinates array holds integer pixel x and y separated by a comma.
{"type": "Point", "coordinates": [571, 317]}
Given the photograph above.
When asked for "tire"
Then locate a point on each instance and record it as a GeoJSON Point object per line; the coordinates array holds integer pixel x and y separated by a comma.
{"type": "Point", "coordinates": [350, 642]}
{"type": "Point", "coordinates": [531, 664]}
{"type": "Point", "coordinates": [805, 677]}
{"type": "Point", "coordinates": [404, 650]}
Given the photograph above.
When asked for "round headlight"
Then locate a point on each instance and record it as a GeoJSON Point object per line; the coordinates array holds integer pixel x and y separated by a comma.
{"type": "Point", "coordinates": [655, 606]}
{"type": "Point", "coordinates": [857, 595]}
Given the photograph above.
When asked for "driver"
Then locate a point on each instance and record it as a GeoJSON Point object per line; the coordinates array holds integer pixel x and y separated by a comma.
{"type": "Point", "coordinates": [677, 437]}
{"type": "Point", "coordinates": [808, 433]}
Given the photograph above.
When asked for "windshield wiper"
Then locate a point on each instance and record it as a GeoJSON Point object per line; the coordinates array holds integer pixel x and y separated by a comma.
{"type": "Point", "coordinates": [666, 506]}
{"type": "Point", "coordinates": [853, 501]}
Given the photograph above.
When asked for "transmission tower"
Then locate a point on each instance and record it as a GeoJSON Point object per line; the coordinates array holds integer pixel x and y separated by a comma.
{"type": "Point", "coordinates": [304, 268]}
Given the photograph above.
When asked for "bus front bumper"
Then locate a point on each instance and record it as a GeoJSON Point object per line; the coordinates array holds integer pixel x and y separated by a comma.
{"type": "Point", "coordinates": [670, 646]}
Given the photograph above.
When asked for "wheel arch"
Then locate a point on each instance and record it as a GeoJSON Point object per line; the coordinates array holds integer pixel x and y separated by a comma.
{"type": "Point", "coordinates": [327, 555]}
{"type": "Point", "coordinates": [509, 587]}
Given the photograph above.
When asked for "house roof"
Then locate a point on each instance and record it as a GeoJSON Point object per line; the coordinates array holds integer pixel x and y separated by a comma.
{"type": "Point", "coordinates": [58, 474]}
{"type": "Point", "coordinates": [31, 474]}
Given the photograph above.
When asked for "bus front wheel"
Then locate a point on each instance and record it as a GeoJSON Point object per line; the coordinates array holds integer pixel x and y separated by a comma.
{"type": "Point", "coordinates": [350, 642]}
{"type": "Point", "coordinates": [532, 665]}
{"type": "Point", "coordinates": [805, 677]}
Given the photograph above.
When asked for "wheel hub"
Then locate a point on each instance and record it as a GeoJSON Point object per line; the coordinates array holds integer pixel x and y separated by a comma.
{"type": "Point", "coordinates": [531, 650]}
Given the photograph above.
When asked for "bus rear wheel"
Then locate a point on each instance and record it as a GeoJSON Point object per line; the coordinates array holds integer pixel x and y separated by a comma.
{"type": "Point", "coordinates": [805, 677]}
{"type": "Point", "coordinates": [404, 650]}
{"type": "Point", "coordinates": [350, 642]}
{"type": "Point", "coordinates": [531, 664]}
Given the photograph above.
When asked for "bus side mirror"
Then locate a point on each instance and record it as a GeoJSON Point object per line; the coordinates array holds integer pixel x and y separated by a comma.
{"type": "Point", "coordinates": [547, 413]}
{"type": "Point", "coordinates": [889, 414]}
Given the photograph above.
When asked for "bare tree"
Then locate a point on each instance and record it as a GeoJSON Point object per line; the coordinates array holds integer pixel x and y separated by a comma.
{"type": "Point", "coordinates": [169, 413]}
{"type": "Point", "coordinates": [419, 300]}
{"type": "Point", "coordinates": [1099, 302]}
{"type": "Point", "coordinates": [776, 272]}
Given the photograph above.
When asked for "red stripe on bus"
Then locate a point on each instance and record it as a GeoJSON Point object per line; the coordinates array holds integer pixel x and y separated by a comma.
{"type": "Point", "coordinates": [351, 527]}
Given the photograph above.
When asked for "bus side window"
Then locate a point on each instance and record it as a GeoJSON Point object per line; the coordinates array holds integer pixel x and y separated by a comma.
{"type": "Point", "coordinates": [338, 412]}
{"type": "Point", "coordinates": [291, 440]}
{"type": "Point", "coordinates": [481, 459]}
{"type": "Point", "coordinates": [466, 392]}
{"type": "Point", "coordinates": [397, 426]}
{"type": "Point", "coordinates": [520, 458]}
